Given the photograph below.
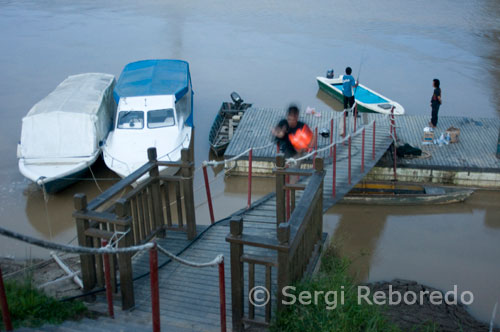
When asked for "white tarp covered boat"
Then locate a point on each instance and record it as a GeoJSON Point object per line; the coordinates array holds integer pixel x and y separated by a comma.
{"type": "Point", "coordinates": [61, 135]}
{"type": "Point", "coordinates": [155, 109]}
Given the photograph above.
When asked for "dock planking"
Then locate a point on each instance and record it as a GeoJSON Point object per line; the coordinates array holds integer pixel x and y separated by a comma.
{"type": "Point", "coordinates": [475, 151]}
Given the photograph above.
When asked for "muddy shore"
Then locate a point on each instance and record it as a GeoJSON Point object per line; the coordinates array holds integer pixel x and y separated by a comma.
{"type": "Point", "coordinates": [445, 317]}
{"type": "Point", "coordinates": [40, 272]}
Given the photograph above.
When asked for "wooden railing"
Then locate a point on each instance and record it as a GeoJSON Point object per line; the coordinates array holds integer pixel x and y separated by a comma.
{"type": "Point", "coordinates": [292, 252]}
{"type": "Point", "coordinates": [157, 204]}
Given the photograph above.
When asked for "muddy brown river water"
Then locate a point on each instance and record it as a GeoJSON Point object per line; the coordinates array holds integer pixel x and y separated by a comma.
{"type": "Point", "coordinates": [270, 52]}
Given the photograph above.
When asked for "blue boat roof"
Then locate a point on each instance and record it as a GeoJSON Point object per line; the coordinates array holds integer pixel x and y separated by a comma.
{"type": "Point", "coordinates": [365, 96]}
{"type": "Point", "coordinates": [153, 77]}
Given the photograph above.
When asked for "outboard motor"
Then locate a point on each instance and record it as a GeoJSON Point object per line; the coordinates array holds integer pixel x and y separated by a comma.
{"type": "Point", "coordinates": [236, 99]}
{"type": "Point", "coordinates": [329, 74]}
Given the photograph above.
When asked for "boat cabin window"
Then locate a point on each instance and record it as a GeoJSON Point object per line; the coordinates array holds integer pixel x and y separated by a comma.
{"type": "Point", "coordinates": [131, 120]}
{"type": "Point", "coordinates": [161, 118]}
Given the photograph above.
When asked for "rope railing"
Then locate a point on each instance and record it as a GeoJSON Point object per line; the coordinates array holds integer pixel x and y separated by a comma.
{"type": "Point", "coordinates": [111, 248]}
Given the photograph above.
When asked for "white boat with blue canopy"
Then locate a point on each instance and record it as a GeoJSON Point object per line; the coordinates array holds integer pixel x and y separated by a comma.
{"type": "Point", "coordinates": [155, 109]}
{"type": "Point", "coordinates": [367, 99]}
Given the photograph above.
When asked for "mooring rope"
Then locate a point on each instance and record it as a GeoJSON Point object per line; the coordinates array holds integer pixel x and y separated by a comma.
{"type": "Point", "coordinates": [71, 248]}
{"type": "Point", "coordinates": [217, 260]}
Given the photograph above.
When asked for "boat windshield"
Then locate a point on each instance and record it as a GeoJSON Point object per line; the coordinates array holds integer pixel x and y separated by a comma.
{"type": "Point", "coordinates": [131, 120]}
{"type": "Point", "coordinates": [161, 118]}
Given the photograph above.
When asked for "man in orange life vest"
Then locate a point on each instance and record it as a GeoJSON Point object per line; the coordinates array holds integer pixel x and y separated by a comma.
{"type": "Point", "coordinates": [292, 135]}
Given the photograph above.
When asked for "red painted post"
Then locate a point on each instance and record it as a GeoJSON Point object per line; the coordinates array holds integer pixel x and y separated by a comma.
{"type": "Point", "coordinates": [349, 158]}
{"type": "Point", "coordinates": [107, 279]}
{"type": "Point", "coordinates": [331, 137]}
{"type": "Point", "coordinates": [395, 156]}
{"type": "Point", "coordinates": [249, 201]}
{"type": "Point", "coordinates": [334, 175]}
{"type": "Point", "coordinates": [5, 307]}
{"type": "Point", "coordinates": [277, 148]}
{"type": "Point", "coordinates": [222, 296]}
{"type": "Point", "coordinates": [287, 194]}
{"type": "Point", "coordinates": [394, 124]}
{"type": "Point", "coordinates": [373, 147]}
{"type": "Point", "coordinates": [355, 115]}
{"type": "Point", "coordinates": [155, 292]}
{"type": "Point", "coordinates": [315, 146]}
{"type": "Point", "coordinates": [363, 151]}
{"type": "Point", "coordinates": [344, 133]}
{"type": "Point", "coordinates": [391, 121]}
{"type": "Point", "coordinates": [209, 195]}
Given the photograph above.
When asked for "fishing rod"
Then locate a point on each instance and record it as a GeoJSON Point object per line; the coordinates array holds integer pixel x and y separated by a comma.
{"type": "Point", "coordinates": [361, 62]}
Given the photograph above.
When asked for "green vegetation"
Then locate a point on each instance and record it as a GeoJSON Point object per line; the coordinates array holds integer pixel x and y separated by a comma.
{"type": "Point", "coordinates": [347, 317]}
{"type": "Point", "coordinates": [31, 308]}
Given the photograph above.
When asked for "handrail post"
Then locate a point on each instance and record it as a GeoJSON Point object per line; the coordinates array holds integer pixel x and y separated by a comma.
{"type": "Point", "coordinates": [87, 262]}
{"type": "Point", "coordinates": [349, 159]}
{"type": "Point", "coordinates": [373, 144]}
{"type": "Point", "coordinates": [344, 132]}
{"type": "Point", "coordinates": [187, 183]}
{"type": "Point", "coordinates": [284, 277]}
{"type": "Point", "coordinates": [222, 296]}
{"type": "Point", "coordinates": [393, 121]}
{"type": "Point", "coordinates": [280, 191]}
{"type": "Point", "coordinates": [122, 210]}
{"type": "Point", "coordinates": [107, 278]}
{"type": "Point", "coordinates": [155, 292]}
{"type": "Point", "coordinates": [154, 173]}
{"type": "Point", "coordinates": [334, 170]}
{"type": "Point", "coordinates": [249, 200]}
{"type": "Point", "coordinates": [395, 162]}
{"type": "Point", "coordinates": [355, 115]}
{"type": "Point", "coordinates": [237, 286]}
{"type": "Point", "coordinates": [209, 195]}
{"type": "Point", "coordinates": [363, 151]}
{"type": "Point", "coordinates": [315, 145]}
{"type": "Point", "coordinates": [5, 307]}
{"type": "Point", "coordinates": [331, 136]}
{"type": "Point", "coordinates": [287, 197]}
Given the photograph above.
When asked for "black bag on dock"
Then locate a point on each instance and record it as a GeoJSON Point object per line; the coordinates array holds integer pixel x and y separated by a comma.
{"type": "Point", "coordinates": [408, 150]}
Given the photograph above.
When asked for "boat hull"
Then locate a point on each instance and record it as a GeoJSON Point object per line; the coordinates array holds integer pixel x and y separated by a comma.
{"type": "Point", "coordinates": [55, 175]}
{"type": "Point", "coordinates": [327, 85]}
{"type": "Point", "coordinates": [219, 144]}
{"type": "Point", "coordinates": [380, 194]}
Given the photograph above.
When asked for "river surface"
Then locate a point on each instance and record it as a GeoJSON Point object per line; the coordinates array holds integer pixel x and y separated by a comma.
{"type": "Point", "coordinates": [271, 52]}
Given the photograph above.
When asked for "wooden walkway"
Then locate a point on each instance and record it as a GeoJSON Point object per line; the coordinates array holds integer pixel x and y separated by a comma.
{"type": "Point", "coordinates": [189, 297]}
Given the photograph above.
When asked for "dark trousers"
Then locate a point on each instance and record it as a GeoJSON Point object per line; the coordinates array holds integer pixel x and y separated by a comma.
{"type": "Point", "coordinates": [348, 101]}
{"type": "Point", "coordinates": [434, 115]}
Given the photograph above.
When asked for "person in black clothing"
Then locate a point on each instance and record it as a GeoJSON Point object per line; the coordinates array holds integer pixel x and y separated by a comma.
{"type": "Point", "coordinates": [435, 103]}
{"type": "Point", "coordinates": [285, 127]}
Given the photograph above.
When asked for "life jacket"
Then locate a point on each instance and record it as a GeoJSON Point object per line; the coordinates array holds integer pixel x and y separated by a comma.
{"type": "Point", "coordinates": [301, 138]}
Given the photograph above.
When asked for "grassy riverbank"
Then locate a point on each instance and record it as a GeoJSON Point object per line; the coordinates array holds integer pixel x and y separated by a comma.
{"type": "Point", "coordinates": [338, 317]}
{"type": "Point", "coordinates": [30, 307]}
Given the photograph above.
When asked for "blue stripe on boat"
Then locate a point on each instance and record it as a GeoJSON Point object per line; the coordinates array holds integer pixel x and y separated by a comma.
{"type": "Point", "coordinates": [364, 95]}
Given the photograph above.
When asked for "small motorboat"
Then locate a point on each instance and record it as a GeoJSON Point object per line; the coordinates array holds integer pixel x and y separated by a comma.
{"type": "Point", "coordinates": [366, 99]}
{"type": "Point", "coordinates": [376, 193]}
{"type": "Point", "coordinates": [155, 109]}
{"type": "Point", "coordinates": [225, 124]}
{"type": "Point", "coordinates": [62, 134]}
